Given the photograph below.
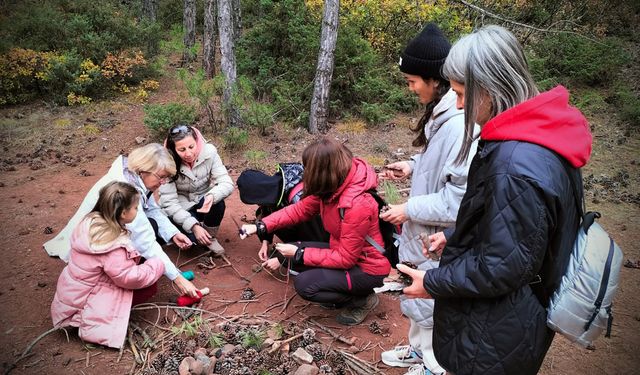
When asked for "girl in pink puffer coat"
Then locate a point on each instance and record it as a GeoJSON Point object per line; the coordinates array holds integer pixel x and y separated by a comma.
{"type": "Point", "coordinates": [96, 289]}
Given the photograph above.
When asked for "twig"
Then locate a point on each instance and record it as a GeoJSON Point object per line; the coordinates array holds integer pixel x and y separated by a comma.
{"type": "Point", "coordinates": [120, 354]}
{"type": "Point", "coordinates": [273, 306]}
{"type": "Point", "coordinates": [331, 333]}
{"type": "Point", "coordinates": [28, 349]}
{"type": "Point", "coordinates": [284, 307]}
{"type": "Point", "coordinates": [136, 356]}
{"type": "Point", "coordinates": [359, 365]}
{"type": "Point", "coordinates": [234, 268]}
{"type": "Point", "coordinates": [269, 272]}
{"type": "Point", "coordinates": [278, 344]}
{"type": "Point", "coordinates": [526, 26]}
{"type": "Point", "coordinates": [33, 363]}
{"type": "Point", "coordinates": [208, 252]}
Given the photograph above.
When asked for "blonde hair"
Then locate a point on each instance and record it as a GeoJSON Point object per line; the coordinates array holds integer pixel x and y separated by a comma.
{"type": "Point", "coordinates": [113, 199]}
{"type": "Point", "coordinates": [151, 158]}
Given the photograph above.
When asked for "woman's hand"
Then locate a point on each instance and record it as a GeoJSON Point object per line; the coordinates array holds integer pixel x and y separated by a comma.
{"type": "Point", "coordinates": [263, 253]}
{"type": "Point", "coordinates": [185, 287]}
{"type": "Point", "coordinates": [396, 214]}
{"type": "Point", "coordinates": [435, 244]}
{"type": "Point", "coordinates": [182, 241]}
{"type": "Point", "coordinates": [271, 264]}
{"type": "Point", "coordinates": [396, 171]}
{"type": "Point", "coordinates": [286, 249]}
{"type": "Point", "coordinates": [248, 230]}
{"type": "Point", "coordinates": [416, 289]}
{"type": "Point", "coordinates": [202, 236]}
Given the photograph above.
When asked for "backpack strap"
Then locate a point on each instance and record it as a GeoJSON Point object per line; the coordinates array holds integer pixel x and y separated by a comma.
{"type": "Point", "coordinates": [368, 238]}
{"type": "Point", "coordinates": [603, 289]}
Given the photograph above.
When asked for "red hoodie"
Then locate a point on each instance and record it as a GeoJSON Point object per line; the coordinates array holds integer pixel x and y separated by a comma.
{"type": "Point", "coordinates": [546, 120]}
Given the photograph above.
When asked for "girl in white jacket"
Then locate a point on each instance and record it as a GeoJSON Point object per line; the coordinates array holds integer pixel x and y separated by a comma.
{"type": "Point", "coordinates": [437, 186]}
{"type": "Point", "coordinates": [194, 199]}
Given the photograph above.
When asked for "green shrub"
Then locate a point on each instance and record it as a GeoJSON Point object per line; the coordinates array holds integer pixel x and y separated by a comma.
{"type": "Point", "coordinates": [577, 60]}
{"type": "Point", "coordinates": [255, 158]}
{"type": "Point", "coordinates": [235, 138]}
{"type": "Point", "coordinates": [589, 101]}
{"type": "Point", "coordinates": [258, 115]}
{"type": "Point", "coordinates": [375, 113]}
{"type": "Point", "coordinates": [159, 118]}
{"type": "Point", "coordinates": [91, 29]}
{"type": "Point", "coordinates": [628, 104]}
{"type": "Point", "coordinates": [201, 89]}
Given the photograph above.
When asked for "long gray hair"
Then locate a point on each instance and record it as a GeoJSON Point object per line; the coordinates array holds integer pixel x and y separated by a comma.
{"type": "Point", "coordinates": [489, 61]}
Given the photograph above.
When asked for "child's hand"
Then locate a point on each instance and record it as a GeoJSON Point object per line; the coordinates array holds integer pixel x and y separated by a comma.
{"type": "Point", "coordinates": [185, 287]}
{"type": "Point", "coordinates": [202, 236]}
{"type": "Point", "coordinates": [416, 289]}
{"type": "Point", "coordinates": [182, 241]}
{"type": "Point", "coordinates": [206, 206]}
{"type": "Point", "coordinates": [248, 230]}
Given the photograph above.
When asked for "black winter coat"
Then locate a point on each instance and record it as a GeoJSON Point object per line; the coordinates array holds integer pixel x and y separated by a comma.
{"type": "Point", "coordinates": [519, 207]}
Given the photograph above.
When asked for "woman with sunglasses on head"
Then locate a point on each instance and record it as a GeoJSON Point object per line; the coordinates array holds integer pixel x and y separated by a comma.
{"type": "Point", "coordinates": [146, 168]}
{"type": "Point", "coordinates": [194, 198]}
{"type": "Point", "coordinates": [518, 219]}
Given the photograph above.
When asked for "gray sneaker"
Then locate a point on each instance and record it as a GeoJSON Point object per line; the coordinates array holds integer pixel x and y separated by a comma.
{"type": "Point", "coordinates": [354, 315]}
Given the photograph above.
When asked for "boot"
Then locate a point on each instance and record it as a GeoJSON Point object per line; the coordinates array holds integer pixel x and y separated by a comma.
{"type": "Point", "coordinates": [358, 310]}
{"type": "Point", "coordinates": [215, 246]}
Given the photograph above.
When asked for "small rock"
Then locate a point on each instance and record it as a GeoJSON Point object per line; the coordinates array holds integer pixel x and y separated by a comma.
{"type": "Point", "coordinates": [1, 184]}
{"type": "Point", "coordinates": [185, 366]}
{"type": "Point", "coordinates": [19, 200]}
{"type": "Point", "coordinates": [85, 173]}
{"type": "Point", "coordinates": [31, 178]}
{"type": "Point", "coordinates": [60, 191]}
{"type": "Point", "coordinates": [66, 361]}
{"type": "Point", "coordinates": [267, 343]}
{"type": "Point", "coordinates": [228, 348]}
{"type": "Point", "coordinates": [301, 356]}
{"type": "Point", "coordinates": [307, 370]}
{"type": "Point", "coordinates": [19, 115]}
{"type": "Point", "coordinates": [23, 232]}
{"type": "Point", "coordinates": [256, 268]}
{"type": "Point", "coordinates": [52, 204]}
{"type": "Point", "coordinates": [140, 140]}
{"type": "Point", "coordinates": [42, 284]}
{"type": "Point", "coordinates": [104, 148]}
{"type": "Point", "coordinates": [48, 230]}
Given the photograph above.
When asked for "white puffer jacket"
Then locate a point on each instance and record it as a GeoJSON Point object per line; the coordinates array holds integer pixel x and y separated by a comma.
{"type": "Point", "coordinates": [437, 187]}
{"type": "Point", "coordinates": [208, 176]}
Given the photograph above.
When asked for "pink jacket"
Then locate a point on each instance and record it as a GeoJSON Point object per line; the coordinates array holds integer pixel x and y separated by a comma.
{"type": "Point", "coordinates": [348, 246]}
{"type": "Point", "coordinates": [95, 289]}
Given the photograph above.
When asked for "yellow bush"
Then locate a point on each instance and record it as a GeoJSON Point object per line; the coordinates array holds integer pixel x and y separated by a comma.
{"type": "Point", "coordinates": [121, 66]}
{"type": "Point", "coordinates": [150, 84]}
{"type": "Point", "coordinates": [73, 99]}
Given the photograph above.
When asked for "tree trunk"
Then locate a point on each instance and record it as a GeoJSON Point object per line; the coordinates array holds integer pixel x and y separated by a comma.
{"type": "Point", "coordinates": [324, 69]}
{"type": "Point", "coordinates": [227, 61]}
{"type": "Point", "coordinates": [209, 43]}
{"type": "Point", "coordinates": [150, 9]}
{"type": "Point", "coordinates": [237, 20]}
{"type": "Point", "coordinates": [189, 23]}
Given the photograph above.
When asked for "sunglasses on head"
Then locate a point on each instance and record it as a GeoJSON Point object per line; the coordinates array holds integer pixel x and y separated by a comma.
{"type": "Point", "coordinates": [180, 129]}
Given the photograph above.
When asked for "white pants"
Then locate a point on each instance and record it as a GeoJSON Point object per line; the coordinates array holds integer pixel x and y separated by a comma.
{"type": "Point", "coordinates": [421, 339]}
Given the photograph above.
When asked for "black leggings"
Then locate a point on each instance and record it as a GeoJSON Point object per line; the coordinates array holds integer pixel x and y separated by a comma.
{"type": "Point", "coordinates": [327, 285]}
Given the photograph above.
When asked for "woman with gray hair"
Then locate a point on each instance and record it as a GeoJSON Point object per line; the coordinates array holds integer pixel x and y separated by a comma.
{"type": "Point", "coordinates": [146, 168]}
{"type": "Point", "coordinates": [518, 219]}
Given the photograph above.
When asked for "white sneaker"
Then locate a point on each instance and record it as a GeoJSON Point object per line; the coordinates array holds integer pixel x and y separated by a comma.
{"type": "Point", "coordinates": [401, 356]}
{"type": "Point", "coordinates": [419, 369]}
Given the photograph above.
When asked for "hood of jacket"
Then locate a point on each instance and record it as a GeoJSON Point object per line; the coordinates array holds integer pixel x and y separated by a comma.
{"type": "Point", "coordinates": [442, 112]}
{"type": "Point", "coordinates": [546, 120]}
{"type": "Point", "coordinates": [81, 243]}
{"type": "Point", "coordinates": [361, 177]}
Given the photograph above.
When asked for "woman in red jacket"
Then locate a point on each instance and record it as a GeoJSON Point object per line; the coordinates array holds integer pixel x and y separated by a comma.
{"type": "Point", "coordinates": [343, 272]}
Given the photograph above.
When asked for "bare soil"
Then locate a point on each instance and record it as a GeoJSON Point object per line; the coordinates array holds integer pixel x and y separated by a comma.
{"type": "Point", "coordinates": [52, 156]}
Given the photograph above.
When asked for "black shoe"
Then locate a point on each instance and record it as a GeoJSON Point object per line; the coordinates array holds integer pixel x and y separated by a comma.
{"type": "Point", "coordinates": [354, 315]}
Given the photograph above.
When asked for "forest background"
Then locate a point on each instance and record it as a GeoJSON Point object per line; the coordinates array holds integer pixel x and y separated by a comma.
{"type": "Point", "coordinates": [83, 81]}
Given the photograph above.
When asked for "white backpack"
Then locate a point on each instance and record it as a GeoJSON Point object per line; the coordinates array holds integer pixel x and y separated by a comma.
{"type": "Point", "coordinates": [580, 308]}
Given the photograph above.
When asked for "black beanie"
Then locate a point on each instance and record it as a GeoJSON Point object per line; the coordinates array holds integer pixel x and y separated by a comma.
{"type": "Point", "coordinates": [425, 54]}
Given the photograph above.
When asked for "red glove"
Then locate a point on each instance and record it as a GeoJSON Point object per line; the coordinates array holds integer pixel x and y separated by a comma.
{"type": "Point", "coordinates": [188, 301]}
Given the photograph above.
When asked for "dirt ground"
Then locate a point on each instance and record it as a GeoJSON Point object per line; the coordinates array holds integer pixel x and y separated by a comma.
{"type": "Point", "coordinates": [52, 156]}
